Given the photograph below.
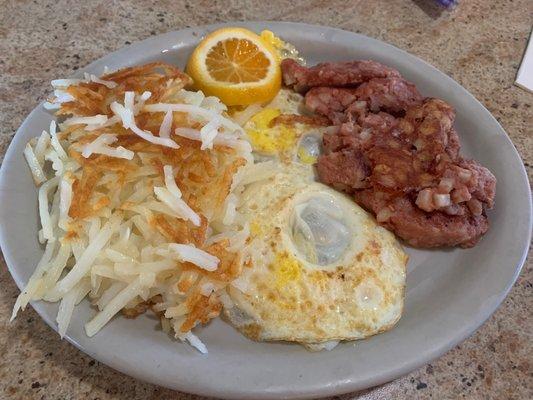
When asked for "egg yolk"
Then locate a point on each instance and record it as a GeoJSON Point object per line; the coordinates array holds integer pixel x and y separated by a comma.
{"type": "Point", "coordinates": [305, 157]}
{"type": "Point", "coordinates": [255, 228]}
{"type": "Point", "coordinates": [266, 139]}
{"type": "Point", "coordinates": [309, 148]}
{"type": "Point", "coordinates": [283, 49]}
{"type": "Point", "coordinates": [273, 40]}
{"type": "Point", "coordinates": [287, 269]}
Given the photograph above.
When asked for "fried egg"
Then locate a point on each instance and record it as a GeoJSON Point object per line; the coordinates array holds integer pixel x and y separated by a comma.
{"type": "Point", "coordinates": [285, 143]}
{"type": "Point", "coordinates": [318, 267]}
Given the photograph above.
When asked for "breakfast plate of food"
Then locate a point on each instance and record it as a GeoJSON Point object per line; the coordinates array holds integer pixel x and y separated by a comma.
{"type": "Point", "coordinates": [274, 210]}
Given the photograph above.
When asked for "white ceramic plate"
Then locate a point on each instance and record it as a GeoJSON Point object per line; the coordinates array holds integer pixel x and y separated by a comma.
{"type": "Point", "coordinates": [450, 293]}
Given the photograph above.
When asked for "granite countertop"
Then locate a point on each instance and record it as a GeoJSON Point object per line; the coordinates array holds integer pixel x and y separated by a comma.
{"type": "Point", "coordinates": [479, 44]}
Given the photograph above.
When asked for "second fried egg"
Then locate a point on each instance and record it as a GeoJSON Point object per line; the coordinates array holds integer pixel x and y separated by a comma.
{"type": "Point", "coordinates": [275, 132]}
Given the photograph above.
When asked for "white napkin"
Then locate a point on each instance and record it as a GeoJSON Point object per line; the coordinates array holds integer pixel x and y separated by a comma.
{"type": "Point", "coordinates": [524, 78]}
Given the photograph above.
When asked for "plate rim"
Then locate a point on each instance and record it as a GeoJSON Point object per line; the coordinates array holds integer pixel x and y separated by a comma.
{"type": "Point", "coordinates": [334, 387]}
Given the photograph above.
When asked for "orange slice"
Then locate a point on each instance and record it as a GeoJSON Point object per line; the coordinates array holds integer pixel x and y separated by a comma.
{"type": "Point", "coordinates": [237, 66]}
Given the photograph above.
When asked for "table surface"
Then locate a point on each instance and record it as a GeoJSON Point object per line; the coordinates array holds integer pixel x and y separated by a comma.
{"type": "Point", "coordinates": [479, 44]}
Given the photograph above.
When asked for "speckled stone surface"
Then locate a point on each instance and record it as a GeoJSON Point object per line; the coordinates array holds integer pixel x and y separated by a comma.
{"type": "Point", "coordinates": [479, 44]}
